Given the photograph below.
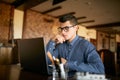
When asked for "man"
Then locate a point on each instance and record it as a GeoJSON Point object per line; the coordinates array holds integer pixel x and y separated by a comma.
{"type": "Point", "coordinates": [73, 51]}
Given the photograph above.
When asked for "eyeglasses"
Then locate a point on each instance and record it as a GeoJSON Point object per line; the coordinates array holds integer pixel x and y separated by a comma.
{"type": "Point", "coordinates": [66, 28]}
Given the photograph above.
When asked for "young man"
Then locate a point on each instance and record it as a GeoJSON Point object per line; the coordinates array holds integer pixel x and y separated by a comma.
{"type": "Point", "coordinates": [73, 51]}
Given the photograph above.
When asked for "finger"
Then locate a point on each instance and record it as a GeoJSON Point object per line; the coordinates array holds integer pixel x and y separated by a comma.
{"type": "Point", "coordinates": [63, 60]}
{"type": "Point", "coordinates": [61, 39]}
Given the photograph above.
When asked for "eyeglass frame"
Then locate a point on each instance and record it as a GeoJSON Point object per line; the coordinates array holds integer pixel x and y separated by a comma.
{"type": "Point", "coordinates": [66, 28]}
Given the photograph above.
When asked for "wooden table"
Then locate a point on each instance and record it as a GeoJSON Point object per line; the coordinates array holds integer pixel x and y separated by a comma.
{"type": "Point", "coordinates": [14, 72]}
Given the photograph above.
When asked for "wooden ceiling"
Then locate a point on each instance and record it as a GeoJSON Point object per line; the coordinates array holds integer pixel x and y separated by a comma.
{"type": "Point", "coordinates": [102, 15]}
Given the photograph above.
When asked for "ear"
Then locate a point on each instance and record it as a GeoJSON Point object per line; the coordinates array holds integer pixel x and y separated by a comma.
{"type": "Point", "coordinates": [77, 27]}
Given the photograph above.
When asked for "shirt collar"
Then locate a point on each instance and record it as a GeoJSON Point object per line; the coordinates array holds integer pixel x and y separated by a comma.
{"type": "Point", "coordinates": [74, 40]}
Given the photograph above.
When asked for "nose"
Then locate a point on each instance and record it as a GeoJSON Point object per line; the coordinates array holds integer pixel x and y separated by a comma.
{"type": "Point", "coordinates": [63, 31]}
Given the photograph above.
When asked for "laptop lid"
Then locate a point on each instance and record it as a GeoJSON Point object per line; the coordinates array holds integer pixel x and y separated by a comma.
{"type": "Point", "coordinates": [33, 55]}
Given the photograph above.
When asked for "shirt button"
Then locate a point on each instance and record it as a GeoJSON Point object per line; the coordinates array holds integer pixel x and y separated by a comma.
{"type": "Point", "coordinates": [53, 44]}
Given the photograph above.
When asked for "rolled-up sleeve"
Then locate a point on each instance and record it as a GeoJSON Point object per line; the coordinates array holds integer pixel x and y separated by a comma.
{"type": "Point", "coordinates": [50, 46]}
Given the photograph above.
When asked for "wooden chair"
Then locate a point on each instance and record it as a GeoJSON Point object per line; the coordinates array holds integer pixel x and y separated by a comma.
{"type": "Point", "coordinates": [108, 59]}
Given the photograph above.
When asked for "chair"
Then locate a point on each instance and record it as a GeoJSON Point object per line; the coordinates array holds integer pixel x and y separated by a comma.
{"type": "Point", "coordinates": [108, 59]}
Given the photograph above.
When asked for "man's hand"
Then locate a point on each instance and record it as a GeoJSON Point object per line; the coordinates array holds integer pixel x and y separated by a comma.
{"type": "Point", "coordinates": [58, 39]}
{"type": "Point", "coordinates": [63, 60]}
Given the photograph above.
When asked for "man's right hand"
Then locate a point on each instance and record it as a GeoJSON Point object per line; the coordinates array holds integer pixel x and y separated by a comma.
{"type": "Point", "coordinates": [58, 39]}
{"type": "Point", "coordinates": [63, 61]}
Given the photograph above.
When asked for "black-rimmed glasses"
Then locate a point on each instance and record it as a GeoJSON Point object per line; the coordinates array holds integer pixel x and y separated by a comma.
{"type": "Point", "coordinates": [66, 28]}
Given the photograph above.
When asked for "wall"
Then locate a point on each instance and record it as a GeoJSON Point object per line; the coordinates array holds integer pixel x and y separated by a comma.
{"type": "Point", "coordinates": [106, 41]}
{"type": "Point", "coordinates": [18, 23]}
{"type": "Point", "coordinates": [87, 33]}
{"type": "Point", "coordinates": [102, 40]}
{"type": "Point", "coordinates": [118, 38]}
{"type": "Point", "coordinates": [113, 43]}
{"type": "Point", "coordinates": [38, 25]}
{"type": "Point", "coordinates": [5, 15]}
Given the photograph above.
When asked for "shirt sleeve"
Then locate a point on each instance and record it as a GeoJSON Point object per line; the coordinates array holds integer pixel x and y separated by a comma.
{"type": "Point", "coordinates": [92, 62]}
{"type": "Point", "coordinates": [51, 48]}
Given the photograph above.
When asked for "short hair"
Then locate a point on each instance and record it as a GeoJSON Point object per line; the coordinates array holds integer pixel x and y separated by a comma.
{"type": "Point", "coordinates": [68, 17]}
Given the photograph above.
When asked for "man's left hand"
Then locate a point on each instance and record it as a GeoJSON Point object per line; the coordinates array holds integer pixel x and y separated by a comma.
{"type": "Point", "coordinates": [63, 60]}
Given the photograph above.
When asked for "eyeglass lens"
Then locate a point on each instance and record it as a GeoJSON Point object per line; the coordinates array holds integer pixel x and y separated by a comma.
{"type": "Point", "coordinates": [66, 29]}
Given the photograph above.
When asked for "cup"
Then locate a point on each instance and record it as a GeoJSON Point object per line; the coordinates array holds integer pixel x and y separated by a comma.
{"type": "Point", "coordinates": [55, 75]}
{"type": "Point", "coordinates": [64, 71]}
{"type": "Point", "coordinates": [66, 68]}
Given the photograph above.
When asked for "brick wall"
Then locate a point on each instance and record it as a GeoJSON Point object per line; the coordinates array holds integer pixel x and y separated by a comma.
{"type": "Point", "coordinates": [5, 12]}
{"type": "Point", "coordinates": [39, 25]}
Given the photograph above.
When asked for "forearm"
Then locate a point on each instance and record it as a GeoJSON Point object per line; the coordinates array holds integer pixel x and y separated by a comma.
{"type": "Point", "coordinates": [51, 51]}
{"type": "Point", "coordinates": [86, 67]}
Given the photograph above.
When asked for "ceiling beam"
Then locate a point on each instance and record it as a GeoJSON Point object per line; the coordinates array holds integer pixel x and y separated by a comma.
{"type": "Point", "coordinates": [26, 4]}
{"type": "Point", "coordinates": [50, 10]}
{"type": "Point", "coordinates": [89, 21]}
{"type": "Point", "coordinates": [115, 24]}
{"type": "Point", "coordinates": [6, 2]}
{"type": "Point", "coordinates": [17, 3]}
{"type": "Point", "coordinates": [82, 17]}
{"type": "Point", "coordinates": [72, 13]}
{"type": "Point", "coordinates": [31, 3]}
{"type": "Point", "coordinates": [57, 1]}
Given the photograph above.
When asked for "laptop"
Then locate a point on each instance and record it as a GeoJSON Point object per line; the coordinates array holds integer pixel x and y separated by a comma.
{"type": "Point", "coordinates": [33, 55]}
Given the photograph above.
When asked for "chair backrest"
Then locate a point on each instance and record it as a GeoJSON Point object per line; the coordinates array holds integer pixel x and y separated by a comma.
{"type": "Point", "coordinates": [108, 59]}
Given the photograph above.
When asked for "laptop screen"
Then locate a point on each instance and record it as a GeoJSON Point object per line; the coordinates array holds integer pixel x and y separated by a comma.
{"type": "Point", "coordinates": [33, 55]}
